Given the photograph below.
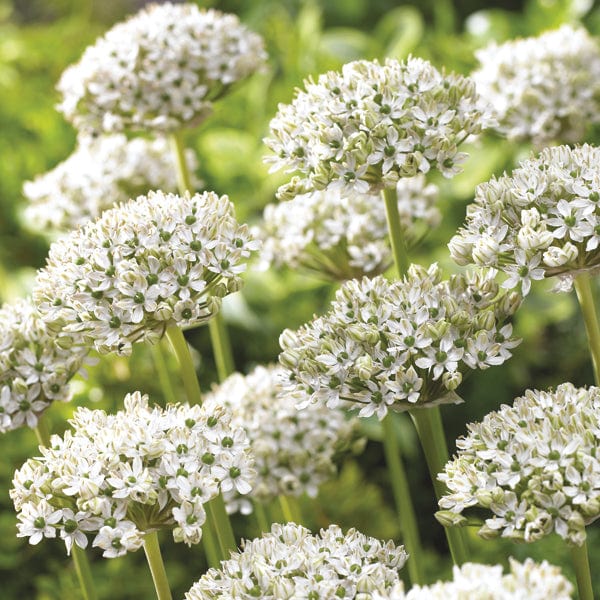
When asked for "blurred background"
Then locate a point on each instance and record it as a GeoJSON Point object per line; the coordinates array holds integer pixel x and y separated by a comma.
{"type": "Point", "coordinates": [40, 38]}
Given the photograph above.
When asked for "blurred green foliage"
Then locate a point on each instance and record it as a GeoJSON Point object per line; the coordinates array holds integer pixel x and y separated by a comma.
{"type": "Point", "coordinates": [39, 38]}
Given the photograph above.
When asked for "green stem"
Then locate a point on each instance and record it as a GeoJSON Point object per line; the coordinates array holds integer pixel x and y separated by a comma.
{"type": "Point", "coordinates": [84, 573]}
{"type": "Point", "coordinates": [579, 556]}
{"type": "Point", "coordinates": [221, 346]}
{"type": "Point", "coordinates": [210, 546]}
{"type": "Point", "coordinates": [42, 433]}
{"type": "Point", "coordinates": [590, 319]}
{"type": "Point", "coordinates": [163, 373]}
{"type": "Point", "coordinates": [184, 181]}
{"type": "Point", "coordinates": [186, 365]}
{"type": "Point", "coordinates": [290, 510]}
{"type": "Point", "coordinates": [157, 567]}
{"type": "Point", "coordinates": [397, 241]}
{"type": "Point", "coordinates": [215, 510]}
{"type": "Point", "coordinates": [428, 423]}
{"type": "Point", "coordinates": [404, 505]}
{"type": "Point", "coordinates": [261, 517]}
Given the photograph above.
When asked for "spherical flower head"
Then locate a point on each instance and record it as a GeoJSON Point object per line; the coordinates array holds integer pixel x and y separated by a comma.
{"type": "Point", "coordinates": [160, 70]}
{"type": "Point", "coordinates": [142, 266]}
{"type": "Point", "coordinates": [103, 171]}
{"type": "Point", "coordinates": [118, 477]}
{"type": "Point", "coordinates": [362, 129]}
{"type": "Point", "coordinates": [399, 345]}
{"type": "Point", "coordinates": [544, 89]}
{"type": "Point", "coordinates": [541, 221]}
{"type": "Point", "coordinates": [472, 581]}
{"type": "Point", "coordinates": [534, 465]}
{"type": "Point", "coordinates": [343, 236]}
{"type": "Point", "coordinates": [294, 451]}
{"type": "Point", "coordinates": [290, 562]}
{"type": "Point", "coordinates": [34, 370]}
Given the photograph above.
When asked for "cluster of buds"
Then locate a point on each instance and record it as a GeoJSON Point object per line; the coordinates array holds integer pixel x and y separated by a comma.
{"type": "Point", "coordinates": [343, 236]}
{"type": "Point", "coordinates": [362, 129]}
{"type": "Point", "coordinates": [141, 266]}
{"type": "Point", "coordinates": [160, 70]}
{"type": "Point", "coordinates": [118, 477]}
{"type": "Point", "coordinates": [534, 465]}
{"type": "Point", "coordinates": [290, 562]}
{"type": "Point", "coordinates": [399, 345]}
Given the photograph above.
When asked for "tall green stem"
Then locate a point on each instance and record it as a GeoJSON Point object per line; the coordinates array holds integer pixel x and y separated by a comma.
{"type": "Point", "coordinates": [290, 510]}
{"type": "Point", "coordinates": [157, 567]}
{"type": "Point", "coordinates": [428, 423]}
{"type": "Point", "coordinates": [261, 517]}
{"type": "Point", "coordinates": [590, 318]}
{"type": "Point", "coordinates": [209, 544]}
{"type": "Point", "coordinates": [215, 510]}
{"type": "Point", "coordinates": [186, 365]}
{"type": "Point", "coordinates": [397, 241]}
{"type": "Point", "coordinates": [406, 511]}
{"type": "Point", "coordinates": [579, 556]}
{"type": "Point", "coordinates": [163, 373]}
{"type": "Point", "coordinates": [42, 433]}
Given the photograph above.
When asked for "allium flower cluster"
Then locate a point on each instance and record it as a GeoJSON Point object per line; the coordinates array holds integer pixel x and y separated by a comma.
{"type": "Point", "coordinates": [160, 70]}
{"type": "Point", "coordinates": [290, 563]}
{"type": "Point", "coordinates": [399, 345]}
{"type": "Point", "coordinates": [545, 88]}
{"type": "Point", "coordinates": [471, 581]}
{"type": "Point", "coordinates": [118, 477]}
{"type": "Point", "coordinates": [534, 465]}
{"type": "Point", "coordinates": [541, 221]}
{"type": "Point", "coordinates": [294, 451]}
{"type": "Point", "coordinates": [103, 171]}
{"type": "Point", "coordinates": [362, 129]}
{"type": "Point", "coordinates": [143, 265]}
{"type": "Point", "coordinates": [34, 370]}
{"type": "Point", "coordinates": [342, 236]}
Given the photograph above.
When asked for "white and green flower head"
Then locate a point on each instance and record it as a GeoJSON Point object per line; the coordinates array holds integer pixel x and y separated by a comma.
{"type": "Point", "coordinates": [160, 70]}
{"type": "Point", "coordinates": [103, 171]}
{"type": "Point", "coordinates": [342, 236]}
{"type": "Point", "coordinates": [534, 465]}
{"type": "Point", "coordinates": [541, 221]}
{"type": "Point", "coordinates": [367, 126]}
{"type": "Point", "coordinates": [544, 89]}
{"type": "Point", "coordinates": [399, 345]}
{"type": "Point", "coordinates": [118, 477]}
{"type": "Point", "coordinates": [34, 370]}
{"type": "Point", "coordinates": [472, 581]}
{"type": "Point", "coordinates": [290, 562]}
{"type": "Point", "coordinates": [148, 263]}
{"type": "Point", "coordinates": [294, 451]}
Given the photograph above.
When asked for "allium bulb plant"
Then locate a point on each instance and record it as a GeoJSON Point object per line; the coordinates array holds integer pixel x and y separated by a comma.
{"type": "Point", "coordinates": [471, 581]}
{"type": "Point", "coordinates": [116, 478]}
{"type": "Point", "coordinates": [103, 171]}
{"type": "Point", "coordinates": [365, 127]}
{"type": "Point", "coordinates": [344, 236]}
{"type": "Point", "coordinates": [34, 370]}
{"type": "Point", "coordinates": [534, 465]}
{"type": "Point", "coordinates": [160, 70]}
{"type": "Point", "coordinates": [294, 450]}
{"type": "Point", "coordinates": [545, 89]}
{"type": "Point", "coordinates": [290, 562]}
{"type": "Point", "coordinates": [399, 345]}
{"type": "Point", "coordinates": [142, 266]}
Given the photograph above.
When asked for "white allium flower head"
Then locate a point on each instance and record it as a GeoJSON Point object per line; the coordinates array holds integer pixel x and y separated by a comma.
{"type": "Point", "coordinates": [343, 236]}
{"type": "Point", "coordinates": [118, 477]}
{"type": "Point", "coordinates": [471, 581]}
{"type": "Point", "coordinates": [544, 88]}
{"type": "Point", "coordinates": [399, 345]}
{"type": "Point", "coordinates": [290, 562]}
{"type": "Point", "coordinates": [160, 70]}
{"type": "Point", "coordinates": [294, 451]}
{"type": "Point", "coordinates": [365, 127]}
{"type": "Point", "coordinates": [34, 370]}
{"type": "Point", "coordinates": [145, 264]}
{"type": "Point", "coordinates": [535, 465]}
{"type": "Point", "coordinates": [103, 171]}
{"type": "Point", "coordinates": [543, 220]}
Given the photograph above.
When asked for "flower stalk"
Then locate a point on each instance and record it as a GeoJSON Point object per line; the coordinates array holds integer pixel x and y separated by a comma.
{"type": "Point", "coordinates": [581, 563]}
{"type": "Point", "coordinates": [157, 567]}
{"type": "Point", "coordinates": [590, 319]}
{"type": "Point", "coordinates": [186, 365]}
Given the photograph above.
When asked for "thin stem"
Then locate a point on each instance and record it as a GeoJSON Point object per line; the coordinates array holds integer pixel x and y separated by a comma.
{"type": "Point", "coordinates": [215, 510]}
{"type": "Point", "coordinates": [428, 423]}
{"type": "Point", "coordinates": [163, 373]}
{"type": "Point", "coordinates": [404, 505]}
{"type": "Point", "coordinates": [84, 573]}
{"type": "Point", "coordinates": [210, 546]}
{"type": "Point", "coordinates": [186, 365]}
{"type": "Point", "coordinates": [395, 231]}
{"type": "Point", "coordinates": [221, 346]}
{"type": "Point", "coordinates": [261, 517]}
{"type": "Point", "coordinates": [184, 181]}
{"type": "Point", "coordinates": [157, 567]}
{"type": "Point", "coordinates": [590, 319]}
{"type": "Point", "coordinates": [42, 433]}
{"type": "Point", "coordinates": [290, 510]}
{"type": "Point", "coordinates": [579, 556]}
